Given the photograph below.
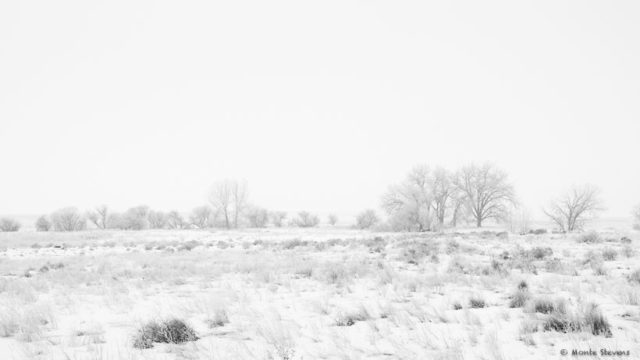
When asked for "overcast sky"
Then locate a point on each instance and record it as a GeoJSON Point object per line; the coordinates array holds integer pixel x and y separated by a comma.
{"type": "Point", "coordinates": [318, 105]}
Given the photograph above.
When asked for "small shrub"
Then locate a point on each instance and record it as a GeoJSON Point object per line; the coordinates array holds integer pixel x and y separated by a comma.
{"type": "Point", "coordinates": [538, 231]}
{"type": "Point", "coordinates": [172, 331]}
{"type": "Point", "coordinates": [596, 322]}
{"type": "Point", "coordinates": [539, 253]}
{"type": "Point", "coordinates": [634, 277]}
{"type": "Point", "coordinates": [351, 317]}
{"type": "Point", "coordinates": [457, 306]}
{"type": "Point", "coordinates": [520, 298]}
{"type": "Point", "coordinates": [477, 303]}
{"type": "Point", "coordinates": [547, 306]}
{"type": "Point", "coordinates": [591, 237]}
{"type": "Point", "coordinates": [609, 254]}
{"type": "Point", "coordinates": [522, 286]}
{"type": "Point", "coordinates": [625, 240]}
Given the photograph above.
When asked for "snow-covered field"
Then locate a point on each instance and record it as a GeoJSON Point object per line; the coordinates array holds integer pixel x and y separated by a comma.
{"type": "Point", "coordinates": [319, 294]}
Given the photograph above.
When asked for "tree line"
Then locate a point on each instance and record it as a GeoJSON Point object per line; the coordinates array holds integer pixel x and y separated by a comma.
{"type": "Point", "coordinates": [425, 200]}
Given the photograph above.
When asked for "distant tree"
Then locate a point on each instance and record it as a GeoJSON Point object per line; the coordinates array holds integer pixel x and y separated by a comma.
{"type": "Point", "coordinates": [157, 219]}
{"type": "Point", "coordinates": [366, 219]}
{"type": "Point", "coordinates": [332, 219]}
{"type": "Point", "coordinates": [487, 191]}
{"type": "Point", "coordinates": [68, 219]}
{"type": "Point", "coordinates": [258, 217]}
{"type": "Point", "coordinates": [136, 218]}
{"type": "Point", "coordinates": [574, 208]}
{"type": "Point", "coordinates": [277, 218]}
{"type": "Point", "coordinates": [9, 225]}
{"type": "Point", "coordinates": [306, 219]}
{"type": "Point", "coordinates": [176, 221]}
{"type": "Point", "coordinates": [442, 191]}
{"type": "Point", "coordinates": [99, 216]}
{"type": "Point", "coordinates": [43, 224]}
{"type": "Point", "coordinates": [201, 217]}
{"type": "Point", "coordinates": [229, 197]}
{"type": "Point", "coordinates": [636, 218]}
{"type": "Point", "coordinates": [408, 204]}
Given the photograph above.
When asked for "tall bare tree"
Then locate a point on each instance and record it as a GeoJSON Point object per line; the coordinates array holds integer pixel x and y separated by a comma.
{"type": "Point", "coordinates": [487, 191]}
{"type": "Point", "coordinates": [229, 197]}
{"type": "Point", "coordinates": [574, 208]}
{"type": "Point", "coordinates": [99, 216]}
{"type": "Point", "coordinates": [442, 190]}
{"type": "Point", "coordinates": [408, 204]}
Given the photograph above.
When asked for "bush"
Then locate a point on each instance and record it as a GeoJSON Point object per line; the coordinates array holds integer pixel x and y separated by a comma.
{"type": "Point", "coordinates": [520, 298]}
{"type": "Point", "coordinates": [477, 303]}
{"type": "Point", "coordinates": [306, 219]}
{"type": "Point", "coordinates": [538, 231]}
{"type": "Point", "coordinates": [634, 277]}
{"type": "Point", "coordinates": [591, 237]}
{"type": "Point", "coordinates": [366, 219]}
{"type": "Point", "coordinates": [277, 218]}
{"type": "Point", "coordinates": [350, 318]}
{"type": "Point", "coordinates": [9, 225]}
{"type": "Point", "coordinates": [43, 224]}
{"type": "Point", "coordinates": [596, 322]}
{"type": "Point", "coordinates": [539, 253]}
{"type": "Point", "coordinates": [68, 219]}
{"type": "Point", "coordinates": [172, 331]}
{"type": "Point", "coordinates": [546, 306]}
{"type": "Point", "coordinates": [609, 254]}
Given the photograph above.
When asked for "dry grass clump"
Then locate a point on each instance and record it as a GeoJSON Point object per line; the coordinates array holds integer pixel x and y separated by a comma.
{"type": "Point", "coordinates": [174, 331]}
{"type": "Point", "coordinates": [547, 306]}
{"type": "Point", "coordinates": [591, 237]}
{"type": "Point", "coordinates": [590, 319]}
{"type": "Point", "coordinates": [520, 298]}
{"type": "Point", "coordinates": [539, 253]}
{"type": "Point", "coordinates": [476, 302]}
{"type": "Point", "coordinates": [609, 254]}
{"type": "Point", "coordinates": [348, 318]}
{"type": "Point", "coordinates": [414, 252]}
{"type": "Point", "coordinates": [634, 277]}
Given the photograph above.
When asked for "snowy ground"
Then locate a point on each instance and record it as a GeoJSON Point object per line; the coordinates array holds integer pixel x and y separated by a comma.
{"type": "Point", "coordinates": [313, 294]}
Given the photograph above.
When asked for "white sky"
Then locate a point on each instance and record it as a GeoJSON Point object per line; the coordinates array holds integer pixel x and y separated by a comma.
{"type": "Point", "coordinates": [318, 105]}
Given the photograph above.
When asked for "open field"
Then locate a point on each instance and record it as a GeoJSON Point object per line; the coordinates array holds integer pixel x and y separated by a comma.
{"type": "Point", "coordinates": [319, 294]}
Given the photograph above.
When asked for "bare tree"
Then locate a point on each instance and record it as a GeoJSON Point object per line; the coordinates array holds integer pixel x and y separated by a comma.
{"type": "Point", "coordinates": [486, 191]}
{"type": "Point", "coordinates": [43, 224]}
{"type": "Point", "coordinates": [408, 204]}
{"type": "Point", "coordinates": [9, 225]}
{"type": "Point", "coordinates": [176, 221]}
{"type": "Point", "coordinates": [442, 190]}
{"type": "Point", "coordinates": [636, 218]}
{"type": "Point", "coordinates": [573, 209]}
{"type": "Point", "coordinates": [99, 216]}
{"type": "Point", "coordinates": [68, 219]}
{"type": "Point", "coordinates": [367, 219]}
{"type": "Point", "coordinates": [277, 218]}
{"type": "Point", "coordinates": [230, 198]}
{"type": "Point", "coordinates": [157, 219]}
{"type": "Point", "coordinates": [306, 219]}
{"type": "Point", "coordinates": [201, 217]}
{"type": "Point", "coordinates": [332, 219]}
